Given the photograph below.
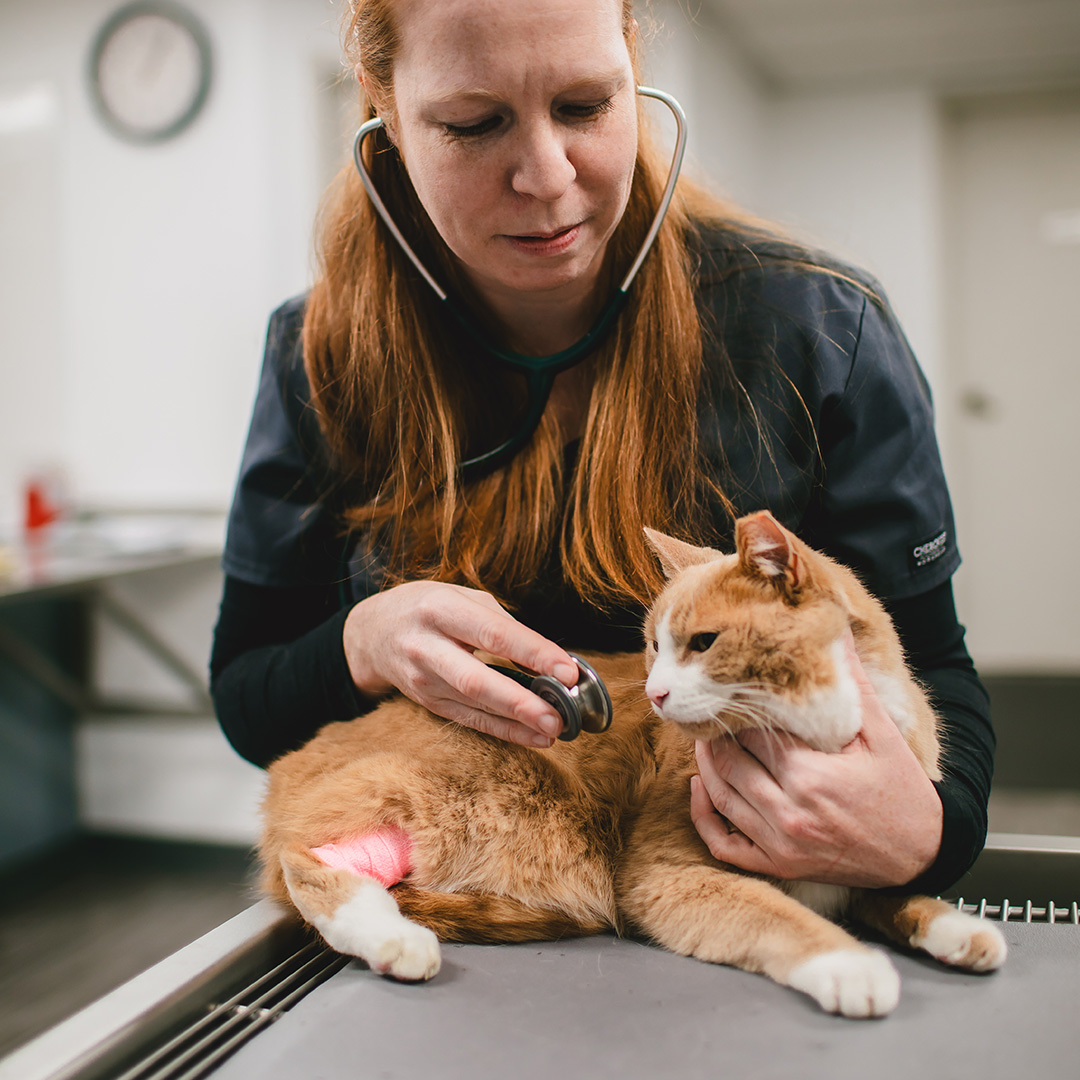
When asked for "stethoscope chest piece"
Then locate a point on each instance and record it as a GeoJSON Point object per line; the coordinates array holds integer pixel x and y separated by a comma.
{"type": "Point", "coordinates": [585, 706]}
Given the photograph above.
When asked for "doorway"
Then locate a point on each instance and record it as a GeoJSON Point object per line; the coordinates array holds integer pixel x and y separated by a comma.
{"type": "Point", "coordinates": [1013, 275]}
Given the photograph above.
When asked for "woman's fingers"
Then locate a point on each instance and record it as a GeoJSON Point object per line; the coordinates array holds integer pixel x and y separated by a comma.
{"type": "Point", "coordinates": [475, 686]}
{"type": "Point", "coordinates": [878, 730]}
{"type": "Point", "coordinates": [727, 846]}
{"type": "Point", "coordinates": [727, 774]}
{"type": "Point", "coordinates": [779, 752]}
{"type": "Point", "coordinates": [729, 761]}
{"type": "Point", "coordinates": [420, 639]}
{"type": "Point", "coordinates": [482, 623]}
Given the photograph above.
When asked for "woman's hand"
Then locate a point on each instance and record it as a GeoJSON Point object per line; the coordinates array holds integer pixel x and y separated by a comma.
{"type": "Point", "coordinates": [420, 638]}
{"type": "Point", "coordinates": [866, 816]}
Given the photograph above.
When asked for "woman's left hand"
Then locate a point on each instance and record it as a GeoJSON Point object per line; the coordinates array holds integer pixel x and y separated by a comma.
{"type": "Point", "coordinates": [865, 816]}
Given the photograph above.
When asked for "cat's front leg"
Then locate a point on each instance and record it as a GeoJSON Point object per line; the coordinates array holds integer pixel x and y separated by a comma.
{"type": "Point", "coordinates": [358, 916]}
{"type": "Point", "coordinates": [727, 918]}
{"type": "Point", "coordinates": [951, 936]}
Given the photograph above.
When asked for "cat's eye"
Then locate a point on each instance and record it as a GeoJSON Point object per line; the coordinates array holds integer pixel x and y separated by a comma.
{"type": "Point", "coordinates": [655, 646]}
{"type": "Point", "coordinates": [701, 642]}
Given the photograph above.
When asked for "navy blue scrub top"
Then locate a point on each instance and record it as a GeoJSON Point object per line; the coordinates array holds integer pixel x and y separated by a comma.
{"type": "Point", "coordinates": [838, 443]}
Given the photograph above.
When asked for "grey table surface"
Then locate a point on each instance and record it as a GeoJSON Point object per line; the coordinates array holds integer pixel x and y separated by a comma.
{"type": "Point", "coordinates": [604, 1007]}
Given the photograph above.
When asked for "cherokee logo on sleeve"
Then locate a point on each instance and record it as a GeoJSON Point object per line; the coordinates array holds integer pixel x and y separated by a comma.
{"type": "Point", "coordinates": [930, 550]}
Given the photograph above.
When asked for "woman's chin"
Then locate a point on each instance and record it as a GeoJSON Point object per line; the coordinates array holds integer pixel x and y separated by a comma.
{"type": "Point", "coordinates": [565, 276]}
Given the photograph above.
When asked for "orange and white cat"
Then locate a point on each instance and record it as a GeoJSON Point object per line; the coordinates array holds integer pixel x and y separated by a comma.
{"type": "Point", "coordinates": [452, 835]}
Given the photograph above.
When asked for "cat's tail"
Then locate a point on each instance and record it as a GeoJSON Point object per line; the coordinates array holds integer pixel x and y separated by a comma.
{"type": "Point", "coordinates": [488, 919]}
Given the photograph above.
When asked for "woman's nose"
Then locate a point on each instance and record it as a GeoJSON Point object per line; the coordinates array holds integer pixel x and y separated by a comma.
{"type": "Point", "coordinates": [543, 170]}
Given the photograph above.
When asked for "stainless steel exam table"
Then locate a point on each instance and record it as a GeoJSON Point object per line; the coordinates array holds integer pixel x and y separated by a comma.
{"type": "Point", "coordinates": [257, 998]}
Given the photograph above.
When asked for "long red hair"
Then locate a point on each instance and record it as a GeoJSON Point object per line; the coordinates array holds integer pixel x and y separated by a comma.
{"type": "Point", "coordinates": [402, 398]}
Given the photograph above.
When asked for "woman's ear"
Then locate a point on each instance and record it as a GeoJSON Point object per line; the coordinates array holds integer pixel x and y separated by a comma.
{"type": "Point", "coordinates": [376, 104]}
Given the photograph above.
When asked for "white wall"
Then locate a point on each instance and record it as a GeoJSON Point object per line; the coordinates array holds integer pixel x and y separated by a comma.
{"type": "Point", "coordinates": [31, 241]}
{"type": "Point", "coordinates": [169, 257]}
{"type": "Point", "coordinates": [724, 100]}
{"type": "Point", "coordinates": [860, 173]}
{"type": "Point", "coordinates": [857, 172]}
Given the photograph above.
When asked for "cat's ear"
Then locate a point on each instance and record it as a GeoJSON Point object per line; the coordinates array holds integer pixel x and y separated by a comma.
{"type": "Point", "coordinates": [676, 555]}
{"type": "Point", "coordinates": [767, 549]}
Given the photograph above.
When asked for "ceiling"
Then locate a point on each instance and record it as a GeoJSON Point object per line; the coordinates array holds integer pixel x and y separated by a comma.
{"type": "Point", "coordinates": [954, 45]}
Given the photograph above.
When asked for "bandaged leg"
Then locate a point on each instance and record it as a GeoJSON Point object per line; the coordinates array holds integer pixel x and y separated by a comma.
{"type": "Point", "coordinates": [341, 889]}
{"type": "Point", "coordinates": [384, 855]}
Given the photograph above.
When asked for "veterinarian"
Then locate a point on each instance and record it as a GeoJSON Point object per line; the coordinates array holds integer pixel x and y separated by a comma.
{"type": "Point", "coordinates": [371, 549]}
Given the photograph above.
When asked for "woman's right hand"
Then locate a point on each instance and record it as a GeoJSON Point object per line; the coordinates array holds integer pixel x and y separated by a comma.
{"type": "Point", "coordinates": [420, 638]}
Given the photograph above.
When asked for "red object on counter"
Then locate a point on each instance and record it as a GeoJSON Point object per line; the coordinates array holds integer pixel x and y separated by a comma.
{"type": "Point", "coordinates": [39, 510]}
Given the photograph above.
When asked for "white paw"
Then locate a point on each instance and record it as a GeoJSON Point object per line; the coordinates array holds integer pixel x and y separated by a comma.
{"type": "Point", "coordinates": [964, 941]}
{"type": "Point", "coordinates": [369, 925]}
{"type": "Point", "coordinates": [852, 982]}
{"type": "Point", "coordinates": [411, 953]}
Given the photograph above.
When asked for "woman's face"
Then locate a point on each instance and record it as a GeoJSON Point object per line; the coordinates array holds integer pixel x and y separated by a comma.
{"type": "Point", "coordinates": [517, 123]}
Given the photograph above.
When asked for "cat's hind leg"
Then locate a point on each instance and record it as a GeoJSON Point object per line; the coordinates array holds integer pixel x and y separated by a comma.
{"type": "Point", "coordinates": [922, 922]}
{"type": "Point", "coordinates": [351, 907]}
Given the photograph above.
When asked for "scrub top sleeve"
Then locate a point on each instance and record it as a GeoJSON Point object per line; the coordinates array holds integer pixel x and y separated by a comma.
{"type": "Point", "coordinates": [883, 507]}
{"type": "Point", "coordinates": [279, 534]}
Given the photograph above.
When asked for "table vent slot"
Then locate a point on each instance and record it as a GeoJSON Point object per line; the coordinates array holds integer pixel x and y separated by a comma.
{"type": "Point", "coordinates": [1029, 911]}
{"type": "Point", "coordinates": [205, 1042]}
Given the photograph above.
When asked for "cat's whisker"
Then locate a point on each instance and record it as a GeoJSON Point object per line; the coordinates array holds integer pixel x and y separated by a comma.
{"type": "Point", "coordinates": [748, 710]}
{"type": "Point", "coordinates": [725, 729]}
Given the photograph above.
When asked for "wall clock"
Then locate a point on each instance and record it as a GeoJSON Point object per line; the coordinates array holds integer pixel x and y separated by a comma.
{"type": "Point", "coordinates": [150, 71]}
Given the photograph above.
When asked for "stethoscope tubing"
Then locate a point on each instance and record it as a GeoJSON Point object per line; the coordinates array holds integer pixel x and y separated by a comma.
{"type": "Point", "coordinates": [646, 246]}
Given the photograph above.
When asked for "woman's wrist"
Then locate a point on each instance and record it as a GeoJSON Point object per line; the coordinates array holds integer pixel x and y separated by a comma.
{"type": "Point", "coordinates": [359, 656]}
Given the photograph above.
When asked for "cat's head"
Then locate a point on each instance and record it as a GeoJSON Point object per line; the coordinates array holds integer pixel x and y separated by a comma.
{"type": "Point", "coordinates": [752, 639]}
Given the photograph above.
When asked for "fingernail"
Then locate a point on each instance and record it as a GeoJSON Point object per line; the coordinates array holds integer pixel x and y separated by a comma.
{"type": "Point", "coordinates": [542, 742]}
{"type": "Point", "coordinates": [567, 674]}
{"type": "Point", "coordinates": [550, 725]}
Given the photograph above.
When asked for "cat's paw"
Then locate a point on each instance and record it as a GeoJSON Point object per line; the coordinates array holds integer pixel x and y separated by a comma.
{"type": "Point", "coordinates": [857, 983]}
{"type": "Point", "coordinates": [369, 925]}
{"type": "Point", "coordinates": [411, 954]}
{"type": "Point", "coordinates": [964, 941]}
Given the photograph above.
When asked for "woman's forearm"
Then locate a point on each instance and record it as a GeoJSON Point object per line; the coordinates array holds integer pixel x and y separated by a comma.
{"type": "Point", "coordinates": [278, 670]}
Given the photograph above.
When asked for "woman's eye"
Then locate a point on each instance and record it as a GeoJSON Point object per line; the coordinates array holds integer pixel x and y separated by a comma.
{"type": "Point", "coordinates": [701, 642]}
{"type": "Point", "coordinates": [588, 112]}
{"type": "Point", "coordinates": [466, 131]}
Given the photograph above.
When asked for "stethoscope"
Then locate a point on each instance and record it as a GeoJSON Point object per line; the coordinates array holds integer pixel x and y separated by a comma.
{"type": "Point", "coordinates": [585, 706]}
{"type": "Point", "coordinates": [539, 371]}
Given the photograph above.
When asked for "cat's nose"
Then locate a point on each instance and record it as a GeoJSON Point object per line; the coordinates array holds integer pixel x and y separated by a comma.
{"type": "Point", "coordinates": [658, 697]}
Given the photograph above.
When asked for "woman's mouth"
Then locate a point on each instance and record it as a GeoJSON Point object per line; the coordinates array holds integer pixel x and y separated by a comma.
{"type": "Point", "coordinates": [546, 243]}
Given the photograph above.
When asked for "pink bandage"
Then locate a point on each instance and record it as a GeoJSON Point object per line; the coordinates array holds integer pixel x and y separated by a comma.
{"type": "Point", "coordinates": [382, 855]}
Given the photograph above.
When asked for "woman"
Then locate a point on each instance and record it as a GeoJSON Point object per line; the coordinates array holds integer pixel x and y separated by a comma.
{"type": "Point", "coordinates": [366, 550]}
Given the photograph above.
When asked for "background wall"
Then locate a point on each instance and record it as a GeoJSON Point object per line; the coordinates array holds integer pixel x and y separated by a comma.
{"type": "Point", "coordinates": [135, 282]}
{"type": "Point", "coordinates": [130, 347]}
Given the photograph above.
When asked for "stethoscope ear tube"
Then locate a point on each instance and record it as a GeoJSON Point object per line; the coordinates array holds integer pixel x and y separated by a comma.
{"type": "Point", "coordinates": [586, 706]}
{"type": "Point", "coordinates": [556, 361]}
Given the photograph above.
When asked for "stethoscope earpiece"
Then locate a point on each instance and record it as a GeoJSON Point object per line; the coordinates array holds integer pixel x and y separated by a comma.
{"type": "Point", "coordinates": [585, 706]}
